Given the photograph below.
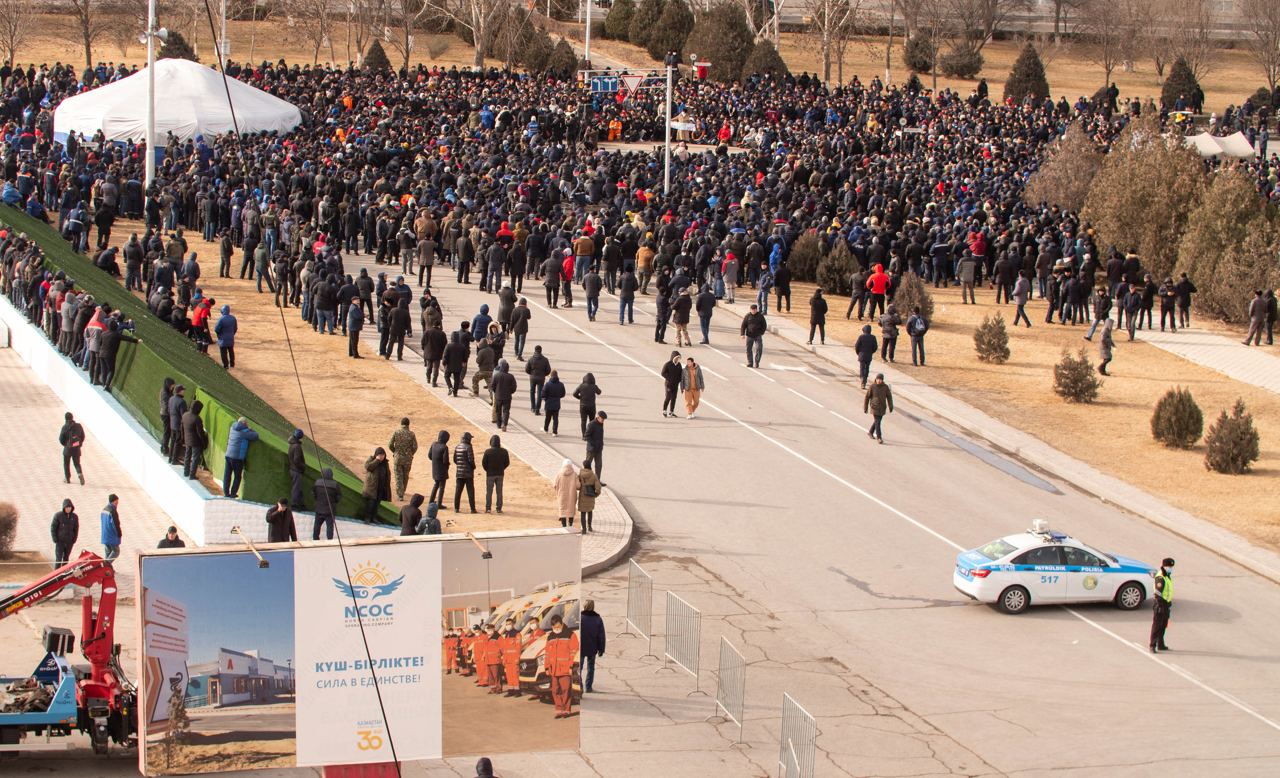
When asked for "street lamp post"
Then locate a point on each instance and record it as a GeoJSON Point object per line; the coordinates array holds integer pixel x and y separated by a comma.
{"type": "Point", "coordinates": [666, 142]}
{"type": "Point", "coordinates": [149, 36]}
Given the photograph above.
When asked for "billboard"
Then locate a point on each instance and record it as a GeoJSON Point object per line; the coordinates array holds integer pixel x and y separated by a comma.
{"type": "Point", "coordinates": [332, 655]}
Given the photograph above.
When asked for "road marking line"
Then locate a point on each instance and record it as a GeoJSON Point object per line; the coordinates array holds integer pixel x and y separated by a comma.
{"type": "Point", "coordinates": [922, 526]}
{"type": "Point", "coordinates": [759, 372]}
{"type": "Point", "coordinates": [718, 351]}
{"type": "Point", "coordinates": [714, 373]}
{"type": "Point", "coordinates": [849, 421]}
{"type": "Point", "coordinates": [803, 397]}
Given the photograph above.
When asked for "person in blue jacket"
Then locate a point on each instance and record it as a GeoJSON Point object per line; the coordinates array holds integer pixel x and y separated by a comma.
{"type": "Point", "coordinates": [226, 332]}
{"type": "Point", "coordinates": [238, 440]}
{"type": "Point", "coordinates": [111, 530]}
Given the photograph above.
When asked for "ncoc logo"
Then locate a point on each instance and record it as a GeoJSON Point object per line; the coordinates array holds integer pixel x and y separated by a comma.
{"type": "Point", "coordinates": [369, 582]}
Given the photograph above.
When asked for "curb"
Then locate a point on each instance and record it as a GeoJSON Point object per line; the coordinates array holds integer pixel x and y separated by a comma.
{"type": "Point", "coordinates": [1043, 456]}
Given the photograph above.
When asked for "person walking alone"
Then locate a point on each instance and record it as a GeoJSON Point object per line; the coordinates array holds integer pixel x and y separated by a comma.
{"type": "Point", "coordinates": [537, 368]}
{"type": "Point", "coordinates": [592, 639]}
{"type": "Point", "coordinates": [552, 395]}
{"type": "Point", "coordinates": [403, 445]}
{"type": "Point", "coordinates": [595, 443]}
{"type": "Point", "coordinates": [877, 402]}
{"type": "Point", "coordinates": [818, 316]}
{"type": "Point", "coordinates": [752, 332]}
{"type": "Point", "coordinates": [586, 395]}
{"type": "Point", "coordinates": [112, 533]}
{"type": "Point", "coordinates": [1106, 345]}
{"type": "Point", "coordinates": [917, 326]}
{"type": "Point", "coordinates": [865, 347]}
{"type": "Point", "coordinates": [1257, 319]}
{"type": "Point", "coordinates": [1161, 606]}
{"type": "Point", "coordinates": [65, 531]}
{"type": "Point", "coordinates": [1021, 293]}
{"type": "Point", "coordinates": [692, 384]}
{"type": "Point", "coordinates": [71, 437]}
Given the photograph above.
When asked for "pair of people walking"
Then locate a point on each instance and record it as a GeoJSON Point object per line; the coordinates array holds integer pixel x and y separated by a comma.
{"type": "Point", "coordinates": [686, 378]}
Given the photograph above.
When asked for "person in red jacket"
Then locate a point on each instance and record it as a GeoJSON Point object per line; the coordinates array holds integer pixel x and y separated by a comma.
{"type": "Point", "coordinates": [493, 658]}
{"type": "Point", "coordinates": [561, 658]}
{"type": "Point", "coordinates": [566, 274]}
{"type": "Point", "coordinates": [878, 284]}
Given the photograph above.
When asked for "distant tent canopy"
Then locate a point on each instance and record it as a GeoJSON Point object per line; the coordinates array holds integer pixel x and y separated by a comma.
{"type": "Point", "coordinates": [190, 100]}
{"type": "Point", "coordinates": [1231, 146]}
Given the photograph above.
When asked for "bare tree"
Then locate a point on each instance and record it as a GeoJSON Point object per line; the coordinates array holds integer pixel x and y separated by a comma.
{"type": "Point", "coordinates": [1111, 28]}
{"type": "Point", "coordinates": [311, 19]}
{"type": "Point", "coordinates": [1262, 20]}
{"type": "Point", "coordinates": [831, 25]}
{"type": "Point", "coordinates": [1185, 29]}
{"type": "Point", "coordinates": [406, 14]}
{"type": "Point", "coordinates": [91, 21]}
{"type": "Point", "coordinates": [479, 19]}
{"type": "Point", "coordinates": [1061, 12]}
{"type": "Point", "coordinates": [763, 17]}
{"type": "Point", "coordinates": [978, 20]}
{"type": "Point", "coordinates": [360, 17]}
{"type": "Point", "coordinates": [17, 18]}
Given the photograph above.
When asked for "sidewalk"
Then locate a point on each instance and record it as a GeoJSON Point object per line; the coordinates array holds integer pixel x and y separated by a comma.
{"type": "Point", "coordinates": [30, 418]}
{"type": "Point", "coordinates": [1036, 452]}
{"type": "Point", "coordinates": [1250, 364]}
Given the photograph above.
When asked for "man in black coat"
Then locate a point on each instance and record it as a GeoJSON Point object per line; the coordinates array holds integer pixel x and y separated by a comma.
{"type": "Point", "coordinates": [400, 322]}
{"type": "Point", "coordinates": [595, 444]}
{"type": "Point", "coordinates": [455, 363]}
{"type": "Point", "coordinates": [297, 466]}
{"type": "Point", "coordinates": [280, 526]}
{"type": "Point", "coordinates": [177, 407]}
{"type": "Point", "coordinates": [495, 462]}
{"type": "Point", "coordinates": [591, 640]}
{"type": "Point", "coordinates": [194, 439]}
{"type": "Point", "coordinates": [503, 385]}
{"type": "Point", "coordinates": [865, 347]}
{"type": "Point", "coordinates": [327, 496]}
{"type": "Point", "coordinates": [410, 515]}
{"type": "Point", "coordinates": [538, 368]}
{"type": "Point", "coordinates": [438, 454]}
{"type": "Point", "coordinates": [464, 471]}
{"type": "Point", "coordinates": [64, 530]}
{"type": "Point", "coordinates": [704, 305]}
{"type": "Point", "coordinates": [434, 342]}
{"type": "Point", "coordinates": [671, 384]}
{"type": "Point", "coordinates": [627, 286]}
{"type": "Point", "coordinates": [72, 439]}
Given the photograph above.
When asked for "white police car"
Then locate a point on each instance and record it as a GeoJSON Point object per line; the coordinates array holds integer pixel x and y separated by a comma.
{"type": "Point", "coordinates": [1043, 567]}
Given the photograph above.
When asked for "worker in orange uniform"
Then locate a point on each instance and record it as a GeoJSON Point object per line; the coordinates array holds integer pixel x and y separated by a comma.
{"type": "Point", "coordinates": [493, 658]}
{"type": "Point", "coordinates": [451, 642]}
{"type": "Point", "coordinates": [480, 656]}
{"type": "Point", "coordinates": [468, 641]}
{"type": "Point", "coordinates": [560, 659]}
{"type": "Point", "coordinates": [511, 645]}
{"type": "Point", "coordinates": [615, 128]}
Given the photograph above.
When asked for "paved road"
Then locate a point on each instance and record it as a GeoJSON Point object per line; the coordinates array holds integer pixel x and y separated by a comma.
{"type": "Point", "coordinates": [777, 490]}
{"type": "Point", "coordinates": [276, 718]}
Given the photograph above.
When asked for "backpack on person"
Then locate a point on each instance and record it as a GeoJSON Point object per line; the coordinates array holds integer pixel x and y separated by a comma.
{"type": "Point", "coordinates": [428, 525]}
{"type": "Point", "coordinates": [920, 326]}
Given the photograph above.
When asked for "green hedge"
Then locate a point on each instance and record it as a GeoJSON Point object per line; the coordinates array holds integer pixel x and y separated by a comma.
{"type": "Point", "coordinates": [141, 370]}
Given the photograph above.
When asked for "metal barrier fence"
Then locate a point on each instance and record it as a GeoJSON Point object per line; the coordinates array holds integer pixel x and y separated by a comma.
{"type": "Point", "coordinates": [731, 685]}
{"type": "Point", "coordinates": [640, 605]}
{"type": "Point", "coordinates": [683, 637]}
{"type": "Point", "coordinates": [798, 740]}
{"type": "Point", "coordinates": [792, 767]}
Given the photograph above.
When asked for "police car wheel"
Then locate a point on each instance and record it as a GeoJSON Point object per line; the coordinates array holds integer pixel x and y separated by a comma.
{"type": "Point", "coordinates": [1130, 596]}
{"type": "Point", "coordinates": [1015, 600]}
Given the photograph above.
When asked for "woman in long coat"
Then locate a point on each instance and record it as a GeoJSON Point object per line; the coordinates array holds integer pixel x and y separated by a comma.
{"type": "Point", "coordinates": [566, 486]}
{"type": "Point", "coordinates": [588, 490]}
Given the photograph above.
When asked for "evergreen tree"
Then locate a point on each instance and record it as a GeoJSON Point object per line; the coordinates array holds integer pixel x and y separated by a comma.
{"type": "Point", "coordinates": [835, 271]}
{"type": "Point", "coordinates": [1027, 77]}
{"type": "Point", "coordinates": [643, 21]}
{"type": "Point", "coordinates": [918, 53]}
{"type": "Point", "coordinates": [1232, 443]}
{"type": "Point", "coordinates": [617, 25]}
{"type": "Point", "coordinates": [671, 30]}
{"type": "Point", "coordinates": [1180, 83]}
{"type": "Point", "coordinates": [991, 340]}
{"type": "Point", "coordinates": [176, 47]}
{"type": "Point", "coordinates": [562, 61]}
{"type": "Point", "coordinates": [721, 36]}
{"type": "Point", "coordinates": [1177, 421]}
{"type": "Point", "coordinates": [1144, 193]}
{"type": "Point", "coordinates": [376, 58]}
{"type": "Point", "coordinates": [1213, 249]}
{"type": "Point", "coordinates": [764, 60]}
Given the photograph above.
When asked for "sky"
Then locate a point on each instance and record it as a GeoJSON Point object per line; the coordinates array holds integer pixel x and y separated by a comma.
{"type": "Point", "coordinates": [230, 602]}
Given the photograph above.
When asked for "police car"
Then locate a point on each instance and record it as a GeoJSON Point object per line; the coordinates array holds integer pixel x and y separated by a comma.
{"type": "Point", "coordinates": [1043, 567]}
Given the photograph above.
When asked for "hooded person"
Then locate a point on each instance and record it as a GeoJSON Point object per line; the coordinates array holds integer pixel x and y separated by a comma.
{"type": "Point", "coordinates": [327, 496]}
{"type": "Point", "coordinates": [280, 526]}
{"type": "Point", "coordinates": [503, 385]}
{"type": "Point", "coordinates": [566, 488]}
{"type": "Point", "coordinates": [464, 471]}
{"type": "Point", "coordinates": [430, 524]}
{"type": "Point", "coordinates": [865, 347]}
{"type": "Point", "coordinates": [400, 322]}
{"type": "Point", "coordinates": [586, 395]}
{"type": "Point", "coordinates": [482, 320]}
{"type": "Point", "coordinates": [455, 363]}
{"type": "Point", "coordinates": [494, 462]}
{"type": "Point", "coordinates": [484, 768]}
{"type": "Point", "coordinates": [377, 483]}
{"type": "Point", "coordinates": [411, 514]}
{"type": "Point", "coordinates": [225, 330]}
{"type": "Point", "coordinates": [194, 438]}
{"type": "Point", "coordinates": [297, 466]}
{"type": "Point", "coordinates": [65, 531]}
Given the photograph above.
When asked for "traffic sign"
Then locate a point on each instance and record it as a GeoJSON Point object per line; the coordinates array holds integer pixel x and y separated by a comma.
{"type": "Point", "coordinates": [604, 83]}
{"type": "Point", "coordinates": [631, 81]}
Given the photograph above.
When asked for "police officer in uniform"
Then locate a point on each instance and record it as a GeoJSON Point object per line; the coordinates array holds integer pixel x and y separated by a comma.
{"type": "Point", "coordinates": [1163, 602]}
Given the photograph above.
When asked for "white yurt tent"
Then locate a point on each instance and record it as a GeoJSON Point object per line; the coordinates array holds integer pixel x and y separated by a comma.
{"type": "Point", "coordinates": [190, 100]}
{"type": "Point", "coordinates": [1236, 145]}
